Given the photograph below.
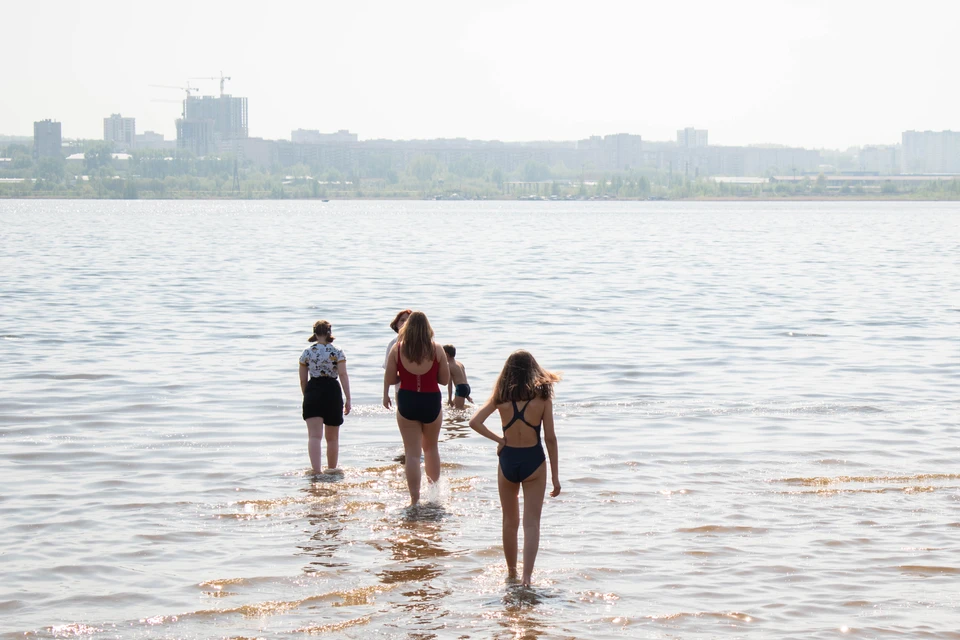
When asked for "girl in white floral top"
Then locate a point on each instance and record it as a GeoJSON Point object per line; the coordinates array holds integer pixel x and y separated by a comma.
{"type": "Point", "coordinates": [323, 369]}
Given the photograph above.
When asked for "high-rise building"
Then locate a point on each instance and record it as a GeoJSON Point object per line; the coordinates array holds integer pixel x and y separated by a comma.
{"type": "Point", "coordinates": [930, 152]}
{"type": "Point", "coordinates": [884, 159]}
{"type": "Point", "coordinates": [229, 114]}
{"type": "Point", "coordinates": [47, 141]}
{"type": "Point", "coordinates": [615, 152]}
{"type": "Point", "coordinates": [196, 136]}
{"type": "Point", "coordinates": [208, 121]}
{"type": "Point", "coordinates": [122, 132]}
{"type": "Point", "coordinates": [591, 153]}
{"type": "Point", "coordinates": [691, 138]}
{"type": "Point", "coordinates": [622, 151]}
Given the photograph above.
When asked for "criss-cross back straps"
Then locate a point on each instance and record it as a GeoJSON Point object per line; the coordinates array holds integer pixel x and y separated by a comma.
{"type": "Point", "coordinates": [518, 415]}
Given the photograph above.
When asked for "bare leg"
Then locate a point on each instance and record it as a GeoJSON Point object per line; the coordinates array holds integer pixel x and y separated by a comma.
{"type": "Point", "coordinates": [510, 506]}
{"type": "Point", "coordinates": [431, 452]}
{"type": "Point", "coordinates": [533, 492]}
{"type": "Point", "coordinates": [412, 432]}
{"type": "Point", "coordinates": [315, 443]}
{"type": "Point", "coordinates": [458, 402]}
{"type": "Point", "coordinates": [333, 445]}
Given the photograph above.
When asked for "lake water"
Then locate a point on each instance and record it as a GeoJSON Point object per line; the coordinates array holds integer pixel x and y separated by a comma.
{"type": "Point", "coordinates": [758, 424]}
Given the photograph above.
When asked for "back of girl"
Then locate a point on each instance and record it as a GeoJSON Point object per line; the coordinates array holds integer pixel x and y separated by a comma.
{"type": "Point", "coordinates": [420, 366]}
{"type": "Point", "coordinates": [324, 383]}
{"type": "Point", "coordinates": [523, 396]}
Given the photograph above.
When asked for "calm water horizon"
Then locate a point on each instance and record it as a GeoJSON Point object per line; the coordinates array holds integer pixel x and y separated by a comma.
{"type": "Point", "coordinates": [758, 422]}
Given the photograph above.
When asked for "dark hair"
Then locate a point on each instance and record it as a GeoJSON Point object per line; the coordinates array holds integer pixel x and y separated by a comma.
{"type": "Point", "coordinates": [523, 379]}
{"type": "Point", "coordinates": [321, 328]}
{"type": "Point", "coordinates": [395, 324]}
{"type": "Point", "coordinates": [416, 338]}
{"type": "Point", "coordinates": [450, 350]}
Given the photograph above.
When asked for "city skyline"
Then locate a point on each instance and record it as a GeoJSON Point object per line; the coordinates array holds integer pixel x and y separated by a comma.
{"type": "Point", "coordinates": [805, 74]}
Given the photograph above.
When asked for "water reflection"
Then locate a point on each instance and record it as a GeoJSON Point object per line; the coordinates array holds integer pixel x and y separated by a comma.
{"type": "Point", "coordinates": [415, 547]}
{"type": "Point", "coordinates": [418, 534]}
{"type": "Point", "coordinates": [455, 424]}
{"type": "Point", "coordinates": [520, 618]}
{"type": "Point", "coordinates": [326, 520]}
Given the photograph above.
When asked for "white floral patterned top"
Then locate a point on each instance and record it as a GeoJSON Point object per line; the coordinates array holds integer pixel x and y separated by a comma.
{"type": "Point", "coordinates": [321, 360]}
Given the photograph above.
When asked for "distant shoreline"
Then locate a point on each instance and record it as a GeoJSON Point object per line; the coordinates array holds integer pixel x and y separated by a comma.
{"type": "Point", "coordinates": [791, 198]}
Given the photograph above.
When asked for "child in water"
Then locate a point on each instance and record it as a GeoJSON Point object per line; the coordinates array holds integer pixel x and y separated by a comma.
{"type": "Point", "coordinates": [323, 371]}
{"type": "Point", "coordinates": [458, 378]}
{"type": "Point", "coordinates": [523, 395]}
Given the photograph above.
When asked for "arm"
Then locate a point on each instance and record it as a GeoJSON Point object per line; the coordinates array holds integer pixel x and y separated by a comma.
{"type": "Point", "coordinates": [345, 383]}
{"type": "Point", "coordinates": [450, 391]}
{"type": "Point", "coordinates": [386, 356]}
{"type": "Point", "coordinates": [550, 438]}
{"type": "Point", "coordinates": [469, 399]}
{"type": "Point", "coordinates": [443, 374]}
{"type": "Point", "coordinates": [303, 378]}
{"type": "Point", "coordinates": [476, 423]}
{"type": "Point", "coordinates": [389, 375]}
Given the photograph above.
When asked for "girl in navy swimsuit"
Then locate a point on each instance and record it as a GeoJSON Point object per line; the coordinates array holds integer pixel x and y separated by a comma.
{"type": "Point", "coordinates": [523, 394]}
{"type": "Point", "coordinates": [420, 366]}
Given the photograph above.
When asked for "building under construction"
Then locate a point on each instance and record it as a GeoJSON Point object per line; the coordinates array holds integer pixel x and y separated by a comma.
{"type": "Point", "coordinates": [208, 121]}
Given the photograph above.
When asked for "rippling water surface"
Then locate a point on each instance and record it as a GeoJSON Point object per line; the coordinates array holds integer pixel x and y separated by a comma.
{"type": "Point", "coordinates": [758, 424]}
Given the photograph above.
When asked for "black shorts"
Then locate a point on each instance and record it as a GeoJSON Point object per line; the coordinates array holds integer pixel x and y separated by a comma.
{"type": "Point", "coordinates": [324, 399]}
{"type": "Point", "coordinates": [418, 405]}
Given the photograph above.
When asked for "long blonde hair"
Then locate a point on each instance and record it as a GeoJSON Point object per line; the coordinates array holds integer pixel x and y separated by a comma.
{"type": "Point", "coordinates": [416, 338]}
{"type": "Point", "coordinates": [522, 378]}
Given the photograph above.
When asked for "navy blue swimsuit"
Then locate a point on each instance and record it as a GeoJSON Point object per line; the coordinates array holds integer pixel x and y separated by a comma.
{"type": "Point", "coordinates": [519, 463]}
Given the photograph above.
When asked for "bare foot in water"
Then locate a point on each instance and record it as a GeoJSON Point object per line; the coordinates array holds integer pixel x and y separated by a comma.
{"type": "Point", "coordinates": [526, 579]}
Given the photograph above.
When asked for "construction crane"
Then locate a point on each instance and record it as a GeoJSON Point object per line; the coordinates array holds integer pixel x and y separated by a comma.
{"type": "Point", "coordinates": [187, 88]}
{"type": "Point", "coordinates": [222, 80]}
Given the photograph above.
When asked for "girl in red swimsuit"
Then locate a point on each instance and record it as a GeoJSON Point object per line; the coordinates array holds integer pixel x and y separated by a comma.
{"type": "Point", "coordinates": [420, 366]}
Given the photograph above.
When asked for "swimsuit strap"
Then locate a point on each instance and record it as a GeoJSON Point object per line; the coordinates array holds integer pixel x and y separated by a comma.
{"type": "Point", "coordinates": [518, 415]}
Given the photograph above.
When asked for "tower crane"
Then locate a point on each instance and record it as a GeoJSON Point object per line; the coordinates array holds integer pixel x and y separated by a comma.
{"type": "Point", "coordinates": [187, 88]}
{"type": "Point", "coordinates": [222, 80]}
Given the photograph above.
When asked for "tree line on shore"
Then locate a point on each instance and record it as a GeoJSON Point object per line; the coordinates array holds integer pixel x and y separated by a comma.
{"type": "Point", "coordinates": [166, 174]}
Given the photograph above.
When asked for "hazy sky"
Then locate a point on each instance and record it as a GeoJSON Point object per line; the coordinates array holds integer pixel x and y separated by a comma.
{"type": "Point", "coordinates": [815, 73]}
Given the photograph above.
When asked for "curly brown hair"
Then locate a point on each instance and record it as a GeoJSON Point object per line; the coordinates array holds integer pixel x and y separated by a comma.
{"type": "Point", "coordinates": [523, 378]}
